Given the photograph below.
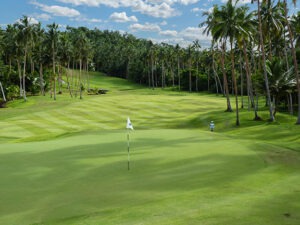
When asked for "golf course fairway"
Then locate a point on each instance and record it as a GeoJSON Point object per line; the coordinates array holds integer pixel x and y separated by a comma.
{"type": "Point", "coordinates": [65, 162]}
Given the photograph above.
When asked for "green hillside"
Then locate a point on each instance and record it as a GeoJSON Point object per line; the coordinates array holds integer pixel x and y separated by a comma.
{"type": "Point", "coordinates": [65, 161]}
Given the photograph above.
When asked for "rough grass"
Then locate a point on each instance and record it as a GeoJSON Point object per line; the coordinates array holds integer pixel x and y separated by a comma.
{"type": "Point", "coordinates": [65, 162]}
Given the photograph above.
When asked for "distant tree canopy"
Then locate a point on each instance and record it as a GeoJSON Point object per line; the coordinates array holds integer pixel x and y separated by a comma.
{"type": "Point", "coordinates": [252, 53]}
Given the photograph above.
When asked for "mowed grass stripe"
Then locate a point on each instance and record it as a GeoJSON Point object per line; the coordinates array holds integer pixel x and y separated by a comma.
{"type": "Point", "coordinates": [59, 119]}
{"type": "Point", "coordinates": [13, 130]}
{"type": "Point", "coordinates": [38, 126]}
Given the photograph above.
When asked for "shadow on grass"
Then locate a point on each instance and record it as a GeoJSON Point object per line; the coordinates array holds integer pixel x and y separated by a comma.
{"type": "Point", "coordinates": [79, 180]}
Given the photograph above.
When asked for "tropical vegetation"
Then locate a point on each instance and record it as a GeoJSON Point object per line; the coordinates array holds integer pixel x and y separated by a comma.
{"type": "Point", "coordinates": [253, 54]}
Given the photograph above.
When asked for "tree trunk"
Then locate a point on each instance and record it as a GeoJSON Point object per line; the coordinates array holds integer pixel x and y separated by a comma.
{"type": "Point", "coordinates": [20, 77]}
{"type": "Point", "coordinates": [162, 75]}
{"type": "Point", "coordinates": [290, 102]}
{"type": "Point", "coordinates": [24, 75]}
{"type": "Point", "coordinates": [242, 85]}
{"type": "Point", "coordinates": [229, 109]}
{"type": "Point", "coordinates": [42, 80]}
{"type": "Point", "coordinates": [178, 72]}
{"type": "Point", "coordinates": [149, 80]}
{"type": "Point", "coordinates": [152, 72]}
{"type": "Point", "coordinates": [217, 78]}
{"type": "Point", "coordinates": [264, 64]}
{"type": "Point", "coordinates": [2, 91]}
{"type": "Point", "coordinates": [249, 82]}
{"type": "Point", "coordinates": [197, 77]}
{"type": "Point", "coordinates": [68, 82]}
{"type": "Point", "coordinates": [80, 81]}
{"type": "Point", "coordinates": [235, 86]}
{"type": "Point", "coordinates": [190, 75]}
{"type": "Point", "coordinates": [54, 75]}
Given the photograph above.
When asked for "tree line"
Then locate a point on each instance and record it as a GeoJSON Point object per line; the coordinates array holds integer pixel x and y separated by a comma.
{"type": "Point", "coordinates": [253, 53]}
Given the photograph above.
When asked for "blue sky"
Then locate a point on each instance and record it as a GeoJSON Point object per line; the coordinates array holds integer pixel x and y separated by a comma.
{"type": "Point", "coordinates": [170, 21]}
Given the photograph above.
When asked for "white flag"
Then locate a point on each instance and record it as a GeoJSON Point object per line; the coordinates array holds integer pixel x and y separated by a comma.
{"type": "Point", "coordinates": [129, 124]}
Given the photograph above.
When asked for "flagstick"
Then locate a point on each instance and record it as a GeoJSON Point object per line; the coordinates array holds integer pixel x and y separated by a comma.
{"type": "Point", "coordinates": [128, 149]}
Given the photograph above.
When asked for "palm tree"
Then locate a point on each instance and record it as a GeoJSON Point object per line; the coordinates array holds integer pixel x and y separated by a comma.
{"type": "Point", "coordinates": [263, 55]}
{"type": "Point", "coordinates": [216, 76]}
{"type": "Point", "coordinates": [247, 30]}
{"type": "Point", "coordinates": [81, 43]}
{"type": "Point", "coordinates": [65, 52]}
{"type": "Point", "coordinates": [230, 18]}
{"type": "Point", "coordinates": [213, 26]}
{"type": "Point", "coordinates": [25, 35]}
{"type": "Point", "coordinates": [272, 23]}
{"type": "Point", "coordinates": [178, 51]}
{"type": "Point", "coordinates": [52, 36]}
{"type": "Point", "coordinates": [282, 82]}
{"type": "Point", "coordinates": [197, 46]}
{"type": "Point", "coordinates": [293, 55]}
{"type": "Point", "coordinates": [296, 28]}
{"type": "Point", "coordinates": [39, 53]}
{"type": "Point", "coordinates": [9, 44]}
{"type": "Point", "coordinates": [153, 53]}
{"type": "Point", "coordinates": [189, 55]}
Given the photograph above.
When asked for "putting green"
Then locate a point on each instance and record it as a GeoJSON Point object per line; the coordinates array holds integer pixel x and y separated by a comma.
{"type": "Point", "coordinates": [177, 176]}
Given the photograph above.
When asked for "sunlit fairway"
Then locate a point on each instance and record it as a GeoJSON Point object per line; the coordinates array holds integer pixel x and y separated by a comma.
{"type": "Point", "coordinates": [65, 161]}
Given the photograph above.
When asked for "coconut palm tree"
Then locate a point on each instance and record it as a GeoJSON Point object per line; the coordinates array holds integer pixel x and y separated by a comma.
{"type": "Point", "coordinates": [282, 82]}
{"type": "Point", "coordinates": [232, 21]}
{"type": "Point", "coordinates": [25, 36]}
{"type": "Point", "coordinates": [179, 53]}
{"type": "Point", "coordinates": [38, 54]}
{"type": "Point", "coordinates": [291, 36]}
{"type": "Point", "coordinates": [245, 36]}
{"type": "Point", "coordinates": [213, 26]}
{"type": "Point", "coordinates": [65, 53]}
{"type": "Point", "coordinates": [272, 18]}
{"type": "Point", "coordinates": [197, 47]}
{"type": "Point", "coordinates": [52, 36]}
{"type": "Point", "coordinates": [263, 55]}
{"type": "Point", "coordinates": [189, 57]}
{"type": "Point", "coordinates": [81, 43]}
{"type": "Point", "coordinates": [153, 55]}
{"type": "Point", "coordinates": [296, 28]}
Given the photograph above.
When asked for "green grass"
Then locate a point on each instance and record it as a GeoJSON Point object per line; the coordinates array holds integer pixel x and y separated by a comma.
{"type": "Point", "coordinates": [64, 162]}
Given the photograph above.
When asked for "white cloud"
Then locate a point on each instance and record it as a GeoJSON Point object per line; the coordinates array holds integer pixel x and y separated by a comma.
{"type": "Point", "coordinates": [169, 33]}
{"type": "Point", "coordinates": [149, 27]}
{"type": "Point", "coordinates": [171, 2]}
{"type": "Point", "coordinates": [196, 10]}
{"type": "Point", "coordinates": [196, 33]}
{"type": "Point", "coordinates": [187, 2]}
{"type": "Point", "coordinates": [84, 19]}
{"type": "Point", "coordinates": [57, 10]}
{"type": "Point", "coordinates": [154, 8]}
{"type": "Point", "coordinates": [33, 20]}
{"type": "Point", "coordinates": [82, 2]}
{"type": "Point", "coordinates": [94, 20]}
{"type": "Point", "coordinates": [184, 37]}
{"type": "Point", "coordinates": [122, 17]}
{"type": "Point", "coordinates": [94, 3]}
{"type": "Point", "coordinates": [162, 10]}
{"type": "Point", "coordinates": [43, 16]}
{"type": "Point", "coordinates": [241, 2]}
